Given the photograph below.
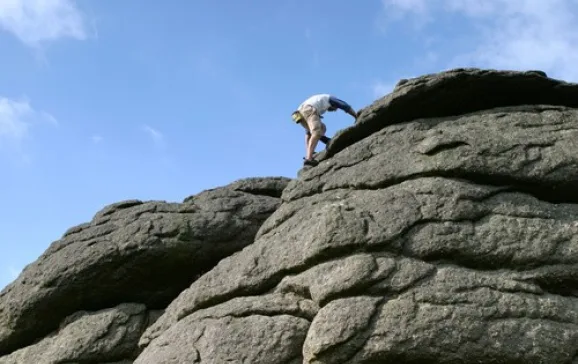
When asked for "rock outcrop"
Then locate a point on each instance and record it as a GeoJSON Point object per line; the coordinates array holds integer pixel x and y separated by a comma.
{"type": "Point", "coordinates": [132, 252]}
{"type": "Point", "coordinates": [97, 337]}
{"type": "Point", "coordinates": [456, 92]}
{"type": "Point", "coordinates": [441, 228]}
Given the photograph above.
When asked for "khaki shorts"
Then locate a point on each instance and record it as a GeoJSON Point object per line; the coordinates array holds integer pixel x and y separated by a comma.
{"type": "Point", "coordinates": [312, 121]}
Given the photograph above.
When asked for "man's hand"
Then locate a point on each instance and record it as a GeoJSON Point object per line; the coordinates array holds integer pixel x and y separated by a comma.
{"type": "Point", "coordinates": [352, 113]}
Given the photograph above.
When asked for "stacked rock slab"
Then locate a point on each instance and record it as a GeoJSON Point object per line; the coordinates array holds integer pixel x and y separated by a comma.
{"type": "Point", "coordinates": [91, 295]}
{"type": "Point", "coordinates": [441, 228]}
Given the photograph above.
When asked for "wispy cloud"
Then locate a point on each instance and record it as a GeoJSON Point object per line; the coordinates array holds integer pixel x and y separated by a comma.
{"type": "Point", "coordinates": [37, 21]}
{"type": "Point", "coordinates": [157, 137]}
{"type": "Point", "coordinates": [381, 88]}
{"type": "Point", "coordinates": [510, 34]}
{"type": "Point", "coordinates": [17, 117]}
{"type": "Point", "coordinates": [395, 10]}
{"type": "Point", "coordinates": [13, 273]}
{"type": "Point", "coordinates": [8, 274]}
{"type": "Point", "coordinates": [312, 49]}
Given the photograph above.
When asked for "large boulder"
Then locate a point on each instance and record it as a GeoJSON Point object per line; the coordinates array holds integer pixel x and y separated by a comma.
{"type": "Point", "coordinates": [131, 252]}
{"type": "Point", "coordinates": [440, 228]}
{"type": "Point", "coordinates": [455, 92]}
{"type": "Point", "coordinates": [107, 336]}
{"type": "Point", "coordinates": [267, 329]}
{"type": "Point", "coordinates": [443, 231]}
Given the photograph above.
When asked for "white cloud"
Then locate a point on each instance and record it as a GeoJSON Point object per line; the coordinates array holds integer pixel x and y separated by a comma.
{"type": "Point", "coordinates": [309, 37]}
{"type": "Point", "coordinates": [13, 273]}
{"type": "Point", "coordinates": [157, 136]}
{"type": "Point", "coordinates": [401, 6]}
{"type": "Point", "coordinates": [381, 88]}
{"type": "Point", "coordinates": [16, 119]}
{"type": "Point", "coordinates": [8, 275]}
{"type": "Point", "coordinates": [36, 21]}
{"type": "Point", "coordinates": [398, 9]}
{"type": "Point", "coordinates": [511, 34]}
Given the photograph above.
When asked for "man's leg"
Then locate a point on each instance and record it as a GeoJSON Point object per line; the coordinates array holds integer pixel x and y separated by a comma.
{"type": "Point", "coordinates": [317, 129]}
{"type": "Point", "coordinates": [303, 123]}
{"type": "Point", "coordinates": [324, 139]}
{"type": "Point", "coordinates": [312, 144]}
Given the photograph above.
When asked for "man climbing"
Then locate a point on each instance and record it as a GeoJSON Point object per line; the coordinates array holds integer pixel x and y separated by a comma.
{"type": "Point", "coordinates": [309, 115]}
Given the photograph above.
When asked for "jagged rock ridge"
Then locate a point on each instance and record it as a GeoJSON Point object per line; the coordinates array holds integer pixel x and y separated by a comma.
{"type": "Point", "coordinates": [440, 228]}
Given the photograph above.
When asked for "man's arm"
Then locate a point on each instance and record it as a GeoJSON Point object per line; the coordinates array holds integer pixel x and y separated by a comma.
{"type": "Point", "coordinates": [340, 104]}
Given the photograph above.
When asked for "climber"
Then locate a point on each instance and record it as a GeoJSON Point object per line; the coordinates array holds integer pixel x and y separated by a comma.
{"type": "Point", "coordinates": [309, 115]}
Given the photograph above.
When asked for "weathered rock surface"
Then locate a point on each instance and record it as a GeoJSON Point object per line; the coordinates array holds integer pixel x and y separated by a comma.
{"type": "Point", "coordinates": [455, 92]}
{"type": "Point", "coordinates": [415, 271]}
{"type": "Point", "coordinates": [133, 251]}
{"type": "Point", "coordinates": [441, 228]}
{"type": "Point", "coordinates": [101, 337]}
{"type": "Point", "coordinates": [446, 239]}
{"type": "Point", "coordinates": [532, 147]}
{"type": "Point", "coordinates": [269, 329]}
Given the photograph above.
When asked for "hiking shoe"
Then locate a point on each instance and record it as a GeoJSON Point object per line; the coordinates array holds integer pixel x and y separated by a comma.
{"type": "Point", "coordinates": [310, 162]}
{"type": "Point", "coordinates": [313, 156]}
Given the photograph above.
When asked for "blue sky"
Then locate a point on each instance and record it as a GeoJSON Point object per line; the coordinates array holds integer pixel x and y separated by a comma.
{"type": "Point", "coordinates": [102, 100]}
